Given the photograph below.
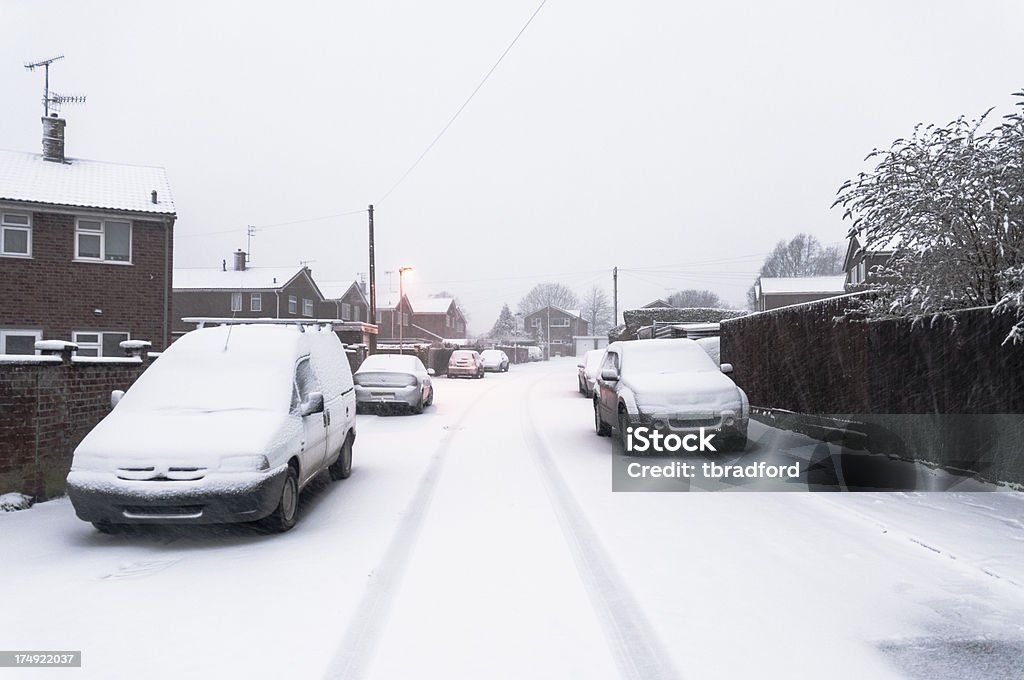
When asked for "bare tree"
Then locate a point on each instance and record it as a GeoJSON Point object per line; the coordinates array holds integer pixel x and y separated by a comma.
{"type": "Point", "coordinates": [693, 297]}
{"type": "Point", "coordinates": [597, 309]}
{"type": "Point", "coordinates": [544, 294]}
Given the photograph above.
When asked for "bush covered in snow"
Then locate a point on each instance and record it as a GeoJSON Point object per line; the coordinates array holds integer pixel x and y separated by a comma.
{"type": "Point", "coordinates": [9, 502]}
{"type": "Point", "coordinates": [635, 319]}
{"type": "Point", "coordinates": [948, 200]}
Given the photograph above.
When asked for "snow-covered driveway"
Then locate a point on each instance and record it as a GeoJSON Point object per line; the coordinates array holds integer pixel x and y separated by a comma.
{"type": "Point", "coordinates": [482, 540]}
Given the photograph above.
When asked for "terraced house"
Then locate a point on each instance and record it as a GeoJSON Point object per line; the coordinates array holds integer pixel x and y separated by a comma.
{"type": "Point", "coordinates": [85, 250]}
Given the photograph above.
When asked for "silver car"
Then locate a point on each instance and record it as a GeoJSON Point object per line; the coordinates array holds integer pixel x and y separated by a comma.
{"type": "Point", "coordinates": [393, 380]}
{"type": "Point", "coordinates": [672, 386]}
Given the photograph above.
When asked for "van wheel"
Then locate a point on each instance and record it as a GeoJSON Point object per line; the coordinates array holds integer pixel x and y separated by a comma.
{"type": "Point", "coordinates": [286, 514]}
{"type": "Point", "coordinates": [342, 468]}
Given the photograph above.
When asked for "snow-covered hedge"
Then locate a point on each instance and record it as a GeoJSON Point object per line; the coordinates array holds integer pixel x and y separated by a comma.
{"type": "Point", "coordinates": [635, 319]}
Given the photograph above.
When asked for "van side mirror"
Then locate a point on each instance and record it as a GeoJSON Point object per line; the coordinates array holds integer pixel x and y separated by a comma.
{"type": "Point", "coordinates": [610, 375]}
{"type": "Point", "coordinates": [430, 371]}
{"type": "Point", "coordinates": [115, 397]}
{"type": "Point", "coordinates": [315, 404]}
{"type": "Point", "coordinates": [726, 368]}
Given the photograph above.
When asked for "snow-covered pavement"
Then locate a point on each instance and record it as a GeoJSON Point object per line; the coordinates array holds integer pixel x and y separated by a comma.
{"type": "Point", "coordinates": [482, 540]}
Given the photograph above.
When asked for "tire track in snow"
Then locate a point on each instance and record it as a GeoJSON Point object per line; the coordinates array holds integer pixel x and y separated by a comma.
{"type": "Point", "coordinates": [638, 652]}
{"type": "Point", "coordinates": [355, 652]}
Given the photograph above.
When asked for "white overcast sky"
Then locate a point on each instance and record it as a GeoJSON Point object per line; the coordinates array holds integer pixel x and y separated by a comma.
{"type": "Point", "coordinates": [659, 135]}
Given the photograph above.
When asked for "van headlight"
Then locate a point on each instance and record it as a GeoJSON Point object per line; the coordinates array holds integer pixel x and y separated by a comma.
{"type": "Point", "coordinates": [244, 463]}
{"type": "Point", "coordinates": [85, 463]}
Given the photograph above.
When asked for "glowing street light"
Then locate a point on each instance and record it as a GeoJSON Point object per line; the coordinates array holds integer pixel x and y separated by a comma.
{"type": "Point", "coordinates": [401, 306]}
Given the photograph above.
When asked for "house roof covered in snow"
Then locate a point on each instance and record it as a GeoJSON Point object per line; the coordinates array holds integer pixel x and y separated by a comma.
{"type": "Point", "coordinates": [81, 183]}
{"type": "Point", "coordinates": [431, 305]}
{"type": "Point", "coordinates": [253, 278]}
{"type": "Point", "coordinates": [802, 284]}
{"type": "Point", "coordinates": [335, 290]}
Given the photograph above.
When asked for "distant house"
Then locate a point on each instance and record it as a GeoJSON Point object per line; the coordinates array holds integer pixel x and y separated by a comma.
{"type": "Point", "coordinates": [438, 319]}
{"type": "Point", "coordinates": [85, 250]}
{"type": "Point", "coordinates": [656, 304]}
{"type": "Point", "coordinates": [774, 292]}
{"type": "Point", "coordinates": [555, 329]}
{"type": "Point", "coordinates": [861, 264]}
{"type": "Point", "coordinates": [247, 292]}
{"type": "Point", "coordinates": [394, 318]}
{"type": "Point", "coordinates": [349, 301]}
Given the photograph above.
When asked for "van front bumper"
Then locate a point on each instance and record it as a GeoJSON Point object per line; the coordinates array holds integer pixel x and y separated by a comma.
{"type": "Point", "coordinates": [102, 497]}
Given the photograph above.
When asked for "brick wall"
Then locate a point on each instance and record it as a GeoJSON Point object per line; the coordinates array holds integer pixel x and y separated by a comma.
{"type": "Point", "coordinates": [53, 293]}
{"type": "Point", "coordinates": [46, 409]}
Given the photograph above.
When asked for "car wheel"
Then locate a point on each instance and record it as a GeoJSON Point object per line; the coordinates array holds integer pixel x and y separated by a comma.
{"type": "Point", "coordinates": [603, 430]}
{"type": "Point", "coordinates": [417, 408]}
{"type": "Point", "coordinates": [286, 514]}
{"type": "Point", "coordinates": [342, 468]}
{"type": "Point", "coordinates": [430, 399]}
{"type": "Point", "coordinates": [623, 424]}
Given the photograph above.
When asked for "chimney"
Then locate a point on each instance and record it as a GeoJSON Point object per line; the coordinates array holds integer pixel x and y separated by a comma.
{"type": "Point", "coordinates": [53, 138]}
{"type": "Point", "coordinates": [239, 260]}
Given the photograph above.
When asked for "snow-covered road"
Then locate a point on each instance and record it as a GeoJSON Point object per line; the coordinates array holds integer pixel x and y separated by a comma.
{"type": "Point", "coordinates": [482, 540]}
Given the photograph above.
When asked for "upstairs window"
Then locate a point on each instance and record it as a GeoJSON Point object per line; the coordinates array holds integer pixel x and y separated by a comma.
{"type": "Point", "coordinates": [236, 302]}
{"type": "Point", "coordinates": [256, 302]}
{"type": "Point", "coordinates": [346, 311]}
{"type": "Point", "coordinates": [15, 234]}
{"type": "Point", "coordinates": [103, 240]}
{"type": "Point", "coordinates": [293, 304]}
{"type": "Point", "coordinates": [560, 323]}
{"type": "Point", "coordinates": [307, 307]}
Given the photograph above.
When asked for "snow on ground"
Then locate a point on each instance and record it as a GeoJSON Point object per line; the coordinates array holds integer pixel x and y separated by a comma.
{"type": "Point", "coordinates": [482, 539]}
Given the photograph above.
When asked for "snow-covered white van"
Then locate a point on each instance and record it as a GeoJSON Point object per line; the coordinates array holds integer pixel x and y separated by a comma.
{"type": "Point", "coordinates": [227, 425]}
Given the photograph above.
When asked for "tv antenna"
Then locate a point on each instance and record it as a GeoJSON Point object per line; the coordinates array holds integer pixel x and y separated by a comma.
{"type": "Point", "coordinates": [52, 99]}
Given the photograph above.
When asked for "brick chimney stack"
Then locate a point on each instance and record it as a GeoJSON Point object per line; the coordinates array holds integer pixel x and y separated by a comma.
{"type": "Point", "coordinates": [239, 260]}
{"type": "Point", "coordinates": [53, 138]}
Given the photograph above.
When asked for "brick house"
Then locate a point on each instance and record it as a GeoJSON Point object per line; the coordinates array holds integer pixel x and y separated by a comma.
{"type": "Point", "coordinates": [85, 250]}
{"type": "Point", "coordinates": [861, 264]}
{"type": "Point", "coordinates": [345, 301]}
{"type": "Point", "coordinates": [246, 292]}
{"type": "Point", "coordinates": [438, 319]}
{"type": "Point", "coordinates": [394, 318]}
{"type": "Point", "coordinates": [555, 328]}
{"type": "Point", "coordinates": [775, 292]}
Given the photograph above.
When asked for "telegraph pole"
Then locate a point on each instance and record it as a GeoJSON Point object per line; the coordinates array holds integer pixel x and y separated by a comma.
{"type": "Point", "coordinates": [615, 296]}
{"type": "Point", "coordinates": [373, 274]}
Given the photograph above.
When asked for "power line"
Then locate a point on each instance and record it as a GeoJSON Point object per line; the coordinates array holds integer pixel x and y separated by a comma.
{"type": "Point", "coordinates": [464, 104]}
{"type": "Point", "coordinates": [274, 226]}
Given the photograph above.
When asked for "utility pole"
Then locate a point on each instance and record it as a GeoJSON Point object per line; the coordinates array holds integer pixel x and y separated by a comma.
{"type": "Point", "coordinates": [373, 274]}
{"type": "Point", "coordinates": [615, 296]}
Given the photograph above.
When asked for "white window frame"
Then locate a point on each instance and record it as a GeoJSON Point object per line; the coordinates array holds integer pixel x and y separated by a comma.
{"type": "Point", "coordinates": [307, 307]}
{"type": "Point", "coordinates": [293, 304]}
{"type": "Point", "coordinates": [236, 302]}
{"type": "Point", "coordinates": [6, 226]}
{"type": "Point", "coordinates": [255, 302]}
{"type": "Point", "coordinates": [98, 345]}
{"type": "Point", "coordinates": [346, 311]}
{"type": "Point", "coordinates": [535, 322]}
{"type": "Point", "coordinates": [102, 233]}
{"type": "Point", "coordinates": [5, 332]}
{"type": "Point", "coordinates": [560, 323]}
{"type": "Point", "coordinates": [863, 267]}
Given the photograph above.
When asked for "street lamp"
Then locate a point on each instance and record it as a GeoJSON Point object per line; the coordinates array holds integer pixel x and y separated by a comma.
{"type": "Point", "coordinates": [401, 306]}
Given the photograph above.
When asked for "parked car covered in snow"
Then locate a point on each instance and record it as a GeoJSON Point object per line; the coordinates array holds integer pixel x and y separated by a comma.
{"type": "Point", "coordinates": [466, 362]}
{"type": "Point", "coordinates": [671, 386]}
{"type": "Point", "coordinates": [494, 360]}
{"type": "Point", "coordinates": [228, 425]}
{"type": "Point", "coordinates": [534, 353]}
{"type": "Point", "coordinates": [393, 379]}
{"type": "Point", "coordinates": [588, 367]}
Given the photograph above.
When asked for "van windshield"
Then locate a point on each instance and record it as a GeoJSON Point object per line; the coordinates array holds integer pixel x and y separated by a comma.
{"type": "Point", "coordinates": [195, 381]}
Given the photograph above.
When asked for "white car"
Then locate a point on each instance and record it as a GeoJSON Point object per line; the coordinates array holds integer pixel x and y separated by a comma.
{"type": "Point", "coordinates": [392, 379]}
{"type": "Point", "coordinates": [494, 360]}
{"type": "Point", "coordinates": [671, 386]}
{"type": "Point", "coordinates": [588, 367]}
{"type": "Point", "coordinates": [227, 425]}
